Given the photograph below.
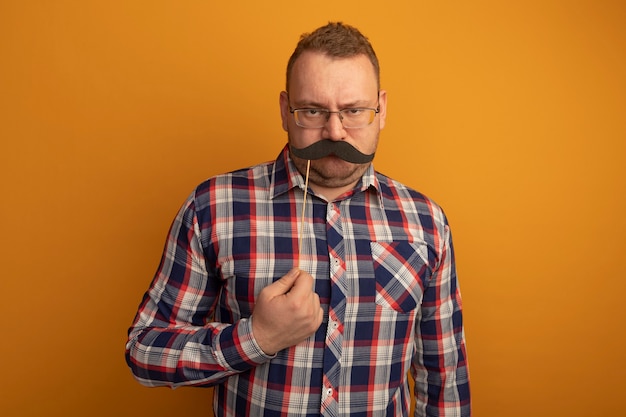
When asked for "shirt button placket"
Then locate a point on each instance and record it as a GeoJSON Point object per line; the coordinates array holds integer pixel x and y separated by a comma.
{"type": "Point", "coordinates": [336, 311]}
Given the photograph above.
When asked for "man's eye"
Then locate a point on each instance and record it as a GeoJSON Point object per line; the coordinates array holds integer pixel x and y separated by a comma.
{"type": "Point", "coordinates": [353, 112]}
{"type": "Point", "coordinates": [314, 112]}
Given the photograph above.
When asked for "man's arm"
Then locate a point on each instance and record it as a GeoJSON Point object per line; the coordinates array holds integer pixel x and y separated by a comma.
{"type": "Point", "coordinates": [440, 364]}
{"type": "Point", "coordinates": [173, 341]}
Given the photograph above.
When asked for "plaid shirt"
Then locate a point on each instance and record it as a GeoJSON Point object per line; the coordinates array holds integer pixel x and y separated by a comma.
{"type": "Point", "coordinates": [383, 264]}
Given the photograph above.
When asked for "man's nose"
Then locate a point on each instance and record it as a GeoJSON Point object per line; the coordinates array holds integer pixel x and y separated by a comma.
{"type": "Point", "coordinates": [334, 126]}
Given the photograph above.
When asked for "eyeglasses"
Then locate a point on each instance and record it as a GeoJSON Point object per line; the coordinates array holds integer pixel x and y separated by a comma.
{"type": "Point", "coordinates": [353, 118]}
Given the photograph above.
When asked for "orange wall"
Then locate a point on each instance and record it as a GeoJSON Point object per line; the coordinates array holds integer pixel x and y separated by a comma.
{"type": "Point", "coordinates": [510, 114]}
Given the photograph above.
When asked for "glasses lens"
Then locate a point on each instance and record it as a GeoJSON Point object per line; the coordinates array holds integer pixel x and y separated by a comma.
{"type": "Point", "coordinates": [355, 118]}
{"type": "Point", "coordinates": [311, 118]}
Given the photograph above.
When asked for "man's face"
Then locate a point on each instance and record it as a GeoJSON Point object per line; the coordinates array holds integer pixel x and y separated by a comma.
{"type": "Point", "coordinates": [320, 81]}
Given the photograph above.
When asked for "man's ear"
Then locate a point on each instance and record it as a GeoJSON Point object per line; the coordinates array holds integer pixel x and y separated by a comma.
{"type": "Point", "coordinates": [382, 102]}
{"type": "Point", "coordinates": [284, 109]}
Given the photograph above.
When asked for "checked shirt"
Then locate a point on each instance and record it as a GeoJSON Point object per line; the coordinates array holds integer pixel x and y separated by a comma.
{"type": "Point", "coordinates": [383, 264]}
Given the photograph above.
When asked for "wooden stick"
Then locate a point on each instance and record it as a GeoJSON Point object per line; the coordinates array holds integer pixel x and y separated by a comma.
{"type": "Point", "coordinates": [306, 191]}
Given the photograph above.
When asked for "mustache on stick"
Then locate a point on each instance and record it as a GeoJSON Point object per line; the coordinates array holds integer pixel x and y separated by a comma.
{"type": "Point", "coordinates": [326, 147]}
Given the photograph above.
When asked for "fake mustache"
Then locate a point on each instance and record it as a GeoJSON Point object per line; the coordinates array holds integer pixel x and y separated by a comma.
{"type": "Point", "coordinates": [326, 147]}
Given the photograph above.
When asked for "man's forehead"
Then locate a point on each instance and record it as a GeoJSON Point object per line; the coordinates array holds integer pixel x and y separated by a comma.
{"type": "Point", "coordinates": [312, 68]}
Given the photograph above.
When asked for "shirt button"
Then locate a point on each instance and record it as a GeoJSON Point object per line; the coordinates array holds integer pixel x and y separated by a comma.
{"type": "Point", "coordinates": [329, 392]}
{"type": "Point", "coordinates": [335, 324]}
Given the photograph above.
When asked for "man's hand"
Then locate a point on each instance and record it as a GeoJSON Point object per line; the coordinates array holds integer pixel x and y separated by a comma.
{"type": "Point", "coordinates": [287, 312]}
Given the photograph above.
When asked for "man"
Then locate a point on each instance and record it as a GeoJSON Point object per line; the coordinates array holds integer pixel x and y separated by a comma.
{"type": "Point", "coordinates": [311, 285]}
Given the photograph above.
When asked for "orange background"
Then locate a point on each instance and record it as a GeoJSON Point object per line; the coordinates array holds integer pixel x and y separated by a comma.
{"type": "Point", "coordinates": [512, 115]}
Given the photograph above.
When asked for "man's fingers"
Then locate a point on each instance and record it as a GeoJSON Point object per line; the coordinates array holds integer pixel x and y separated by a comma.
{"type": "Point", "coordinates": [303, 284]}
{"type": "Point", "coordinates": [284, 284]}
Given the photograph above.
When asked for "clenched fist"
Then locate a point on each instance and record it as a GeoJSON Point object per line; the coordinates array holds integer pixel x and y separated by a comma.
{"type": "Point", "coordinates": [287, 312]}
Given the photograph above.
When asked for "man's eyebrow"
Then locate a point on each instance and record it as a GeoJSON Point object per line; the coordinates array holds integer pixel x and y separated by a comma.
{"type": "Point", "coordinates": [305, 104]}
{"type": "Point", "coordinates": [308, 105]}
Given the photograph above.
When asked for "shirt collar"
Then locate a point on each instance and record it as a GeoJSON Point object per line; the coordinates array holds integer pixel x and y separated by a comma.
{"type": "Point", "coordinates": [286, 176]}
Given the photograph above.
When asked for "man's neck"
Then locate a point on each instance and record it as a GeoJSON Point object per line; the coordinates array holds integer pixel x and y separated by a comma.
{"type": "Point", "coordinates": [331, 193]}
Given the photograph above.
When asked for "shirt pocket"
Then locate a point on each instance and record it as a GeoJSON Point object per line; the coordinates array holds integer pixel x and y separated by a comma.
{"type": "Point", "coordinates": [401, 271]}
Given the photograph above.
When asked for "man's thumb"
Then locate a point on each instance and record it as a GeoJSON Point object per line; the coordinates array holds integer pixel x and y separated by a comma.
{"type": "Point", "coordinates": [285, 283]}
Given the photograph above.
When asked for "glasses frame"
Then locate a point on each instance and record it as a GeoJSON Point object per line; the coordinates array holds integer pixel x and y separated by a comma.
{"type": "Point", "coordinates": [330, 112]}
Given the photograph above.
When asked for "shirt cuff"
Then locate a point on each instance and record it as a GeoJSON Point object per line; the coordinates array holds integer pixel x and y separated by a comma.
{"type": "Point", "coordinates": [237, 350]}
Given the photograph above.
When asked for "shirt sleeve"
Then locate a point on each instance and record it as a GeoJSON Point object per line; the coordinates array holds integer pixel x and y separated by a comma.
{"type": "Point", "coordinates": [439, 366]}
{"type": "Point", "coordinates": [173, 340]}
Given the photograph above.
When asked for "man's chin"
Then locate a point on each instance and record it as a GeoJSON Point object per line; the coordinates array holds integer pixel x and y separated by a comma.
{"type": "Point", "coordinates": [331, 171]}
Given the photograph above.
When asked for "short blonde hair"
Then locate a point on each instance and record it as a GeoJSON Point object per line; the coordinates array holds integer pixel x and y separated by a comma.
{"type": "Point", "coordinates": [336, 40]}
